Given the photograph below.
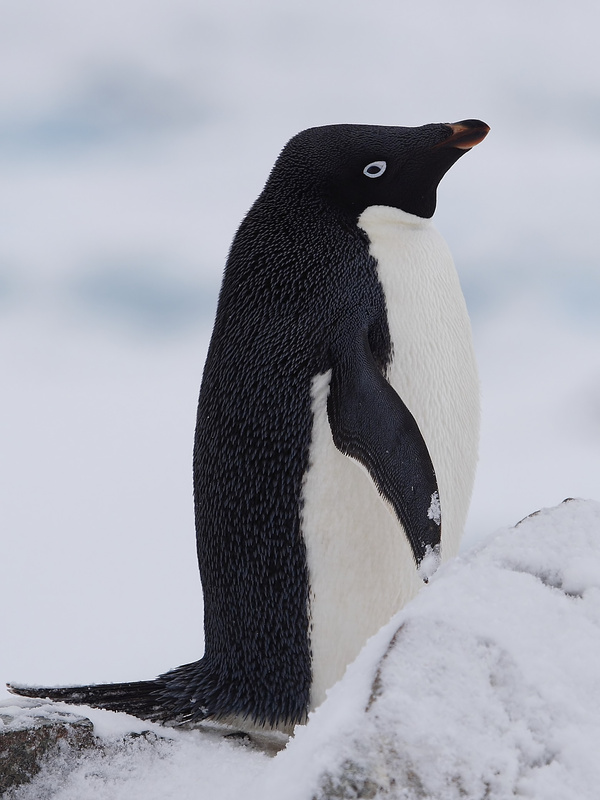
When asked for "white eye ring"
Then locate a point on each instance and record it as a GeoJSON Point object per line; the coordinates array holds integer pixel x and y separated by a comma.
{"type": "Point", "coordinates": [375, 169]}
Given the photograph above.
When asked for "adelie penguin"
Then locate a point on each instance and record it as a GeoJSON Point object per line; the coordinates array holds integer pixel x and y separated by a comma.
{"type": "Point", "coordinates": [337, 427]}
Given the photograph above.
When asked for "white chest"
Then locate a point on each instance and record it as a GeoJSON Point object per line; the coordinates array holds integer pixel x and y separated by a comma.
{"type": "Point", "coordinates": [361, 568]}
{"type": "Point", "coordinates": [433, 365]}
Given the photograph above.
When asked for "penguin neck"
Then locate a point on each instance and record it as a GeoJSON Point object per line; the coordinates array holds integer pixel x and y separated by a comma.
{"type": "Point", "coordinates": [394, 216]}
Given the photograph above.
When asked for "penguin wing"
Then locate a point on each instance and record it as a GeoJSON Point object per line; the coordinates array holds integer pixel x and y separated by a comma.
{"type": "Point", "coordinates": [370, 423]}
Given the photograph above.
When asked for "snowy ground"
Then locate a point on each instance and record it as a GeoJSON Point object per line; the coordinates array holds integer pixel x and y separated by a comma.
{"type": "Point", "coordinates": [133, 138]}
{"type": "Point", "coordinates": [489, 690]}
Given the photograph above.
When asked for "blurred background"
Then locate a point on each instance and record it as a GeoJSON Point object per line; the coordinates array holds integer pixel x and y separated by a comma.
{"type": "Point", "coordinates": [134, 136]}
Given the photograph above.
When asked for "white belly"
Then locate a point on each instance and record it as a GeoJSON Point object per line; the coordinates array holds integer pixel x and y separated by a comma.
{"type": "Point", "coordinates": [361, 567]}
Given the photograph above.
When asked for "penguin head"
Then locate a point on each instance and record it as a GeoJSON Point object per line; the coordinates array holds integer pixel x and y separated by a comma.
{"type": "Point", "coordinates": [352, 167]}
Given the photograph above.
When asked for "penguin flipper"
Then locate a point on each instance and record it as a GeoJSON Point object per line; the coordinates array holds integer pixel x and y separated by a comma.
{"type": "Point", "coordinates": [371, 424]}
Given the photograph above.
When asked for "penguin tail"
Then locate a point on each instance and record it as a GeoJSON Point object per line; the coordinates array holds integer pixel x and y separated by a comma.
{"type": "Point", "coordinates": [138, 698]}
{"type": "Point", "coordinates": [191, 693]}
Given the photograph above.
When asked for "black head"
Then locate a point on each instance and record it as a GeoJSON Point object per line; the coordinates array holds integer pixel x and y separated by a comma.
{"type": "Point", "coordinates": [356, 166]}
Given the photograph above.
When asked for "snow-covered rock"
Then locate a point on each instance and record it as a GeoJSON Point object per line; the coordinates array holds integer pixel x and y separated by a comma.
{"type": "Point", "coordinates": [47, 752]}
{"type": "Point", "coordinates": [32, 733]}
{"type": "Point", "coordinates": [486, 686]}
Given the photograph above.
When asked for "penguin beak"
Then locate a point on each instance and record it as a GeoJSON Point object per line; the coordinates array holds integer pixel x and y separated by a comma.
{"type": "Point", "coordinates": [465, 134]}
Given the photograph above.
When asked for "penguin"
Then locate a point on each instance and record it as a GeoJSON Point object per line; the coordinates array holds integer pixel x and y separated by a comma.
{"type": "Point", "coordinates": [337, 427]}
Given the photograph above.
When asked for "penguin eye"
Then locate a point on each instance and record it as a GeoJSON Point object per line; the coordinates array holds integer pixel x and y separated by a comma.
{"type": "Point", "coordinates": [375, 169]}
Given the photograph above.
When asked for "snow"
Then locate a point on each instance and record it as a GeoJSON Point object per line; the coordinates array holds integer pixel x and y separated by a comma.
{"type": "Point", "coordinates": [491, 686]}
{"type": "Point", "coordinates": [133, 138]}
{"type": "Point", "coordinates": [434, 511]}
{"type": "Point", "coordinates": [430, 563]}
{"type": "Point", "coordinates": [485, 686]}
{"type": "Point", "coordinates": [175, 765]}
